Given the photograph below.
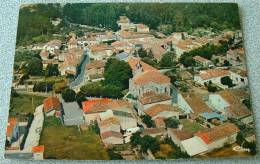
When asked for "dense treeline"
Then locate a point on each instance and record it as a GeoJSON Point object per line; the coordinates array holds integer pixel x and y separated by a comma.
{"type": "Point", "coordinates": [35, 20]}
{"type": "Point", "coordinates": [175, 17]}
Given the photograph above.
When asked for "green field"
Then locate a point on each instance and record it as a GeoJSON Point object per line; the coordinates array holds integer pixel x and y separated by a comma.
{"type": "Point", "coordinates": [67, 142]}
{"type": "Point", "coordinates": [24, 104]}
{"type": "Point", "coordinates": [190, 126]}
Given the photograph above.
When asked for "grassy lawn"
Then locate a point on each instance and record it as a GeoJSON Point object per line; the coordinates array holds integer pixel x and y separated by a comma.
{"type": "Point", "coordinates": [24, 104]}
{"type": "Point", "coordinates": [63, 142]}
{"type": "Point", "coordinates": [164, 152]}
{"type": "Point", "coordinates": [190, 126]}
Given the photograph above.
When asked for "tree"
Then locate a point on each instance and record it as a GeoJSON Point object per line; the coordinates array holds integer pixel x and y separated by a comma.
{"type": "Point", "coordinates": [80, 97]}
{"type": "Point", "coordinates": [167, 60]}
{"type": "Point", "coordinates": [68, 95]}
{"type": "Point", "coordinates": [113, 155]}
{"type": "Point", "coordinates": [135, 139]}
{"type": "Point", "coordinates": [52, 70]}
{"type": "Point", "coordinates": [211, 87]}
{"type": "Point", "coordinates": [227, 81]}
{"type": "Point", "coordinates": [148, 142]}
{"type": "Point", "coordinates": [117, 73]}
{"type": "Point", "coordinates": [227, 63]}
{"type": "Point", "coordinates": [112, 91]}
{"type": "Point", "coordinates": [171, 123]}
{"type": "Point", "coordinates": [34, 67]}
{"type": "Point", "coordinates": [148, 121]}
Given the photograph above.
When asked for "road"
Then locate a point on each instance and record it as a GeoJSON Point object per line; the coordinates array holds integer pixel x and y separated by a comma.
{"type": "Point", "coordinates": [80, 76]}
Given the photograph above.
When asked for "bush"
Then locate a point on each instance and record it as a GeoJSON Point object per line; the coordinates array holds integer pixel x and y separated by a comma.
{"type": "Point", "coordinates": [148, 121]}
{"type": "Point", "coordinates": [68, 95]}
{"type": "Point", "coordinates": [43, 87]}
{"type": "Point", "coordinates": [227, 81]}
{"type": "Point", "coordinates": [171, 123]}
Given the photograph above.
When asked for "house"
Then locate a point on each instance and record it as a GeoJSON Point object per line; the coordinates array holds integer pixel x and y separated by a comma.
{"type": "Point", "coordinates": [153, 132]}
{"type": "Point", "coordinates": [72, 43]}
{"type": "Point", "coordinates": [109, 124]}
{"type": "Point", "coordinates": [178, 135]}
{"type": "Point", "coordinates": [123, 20]}
{"type": "Point", "coordinates": [198, 146]}
{"type": "Point", "coordinates": [238, 77]}
{"type": "Point", "coordinates": [213, 75]}
{"type": "Point", "coordinates": [150, 99]}
{"type": "Point", "coordinates": [122, 45]}
{"type": "Point", "coordinates": [185, 75]}
{"type": "Point", "coordinates": [192, 103]}
{"type": "Point", "coordinates": [12, 131]}
{"type": "Point", "coordinates": [95, 70]}
{"type": "Point", "coordinates": [51, 106]}
{"type": "Point", "coordinates": [93, 108]}
{"type": "Point", "coordinates": [142, 28]}
{"type": "Point", "coordinates": [112, 138]}
{"type": "Point", "coordinates": [44, 55]}
{"type": "Point", "coordinates": [129, 36]}
{"type": "Point", "coordinates": [72, 58]}
{"type": "Point", "coordinates": [164, 111]}
{"type": "Point", "coordinates": [100, 51]}
{"type": "Point", "coordinates": [200, 61]}
{"type": "Point", "coordinates": [218, 136]}
{"type": "Point", "coordinates": [123, 56]}
{"type": "Point", "coordinates": [85, 41]}
{"type": "Point", "coordinates": [229, 102]}
{"type": "Point", "coordinates": [212, 118]}
{"type": "Point", "coordinates": [159, 122]}
{"type": "Point", "coordinates": [237, 57]}
{"type": "Point", "coordinates": [108, 36]}
{"type": "Point", "coordinates": [36, 47]}
{"type": "Point", "coordinates": [72, 114]}
{"type": "Point", "coordinates": [147, 79]}
{"type": "Point", "coordinates": [126, 119]}
{"type": "Point", "coordinates": [53, 45]}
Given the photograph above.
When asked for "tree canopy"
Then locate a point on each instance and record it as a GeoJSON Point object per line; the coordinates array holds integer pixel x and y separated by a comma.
{"type": "Point", "coordinates": [68, 95]}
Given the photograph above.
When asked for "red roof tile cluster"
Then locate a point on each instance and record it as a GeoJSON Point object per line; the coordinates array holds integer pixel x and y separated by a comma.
{"type": "Point", "coordinates": [108, 134]}
{"type": "Point", "coordinates": [217, 133]}
{"type": "Point", "coordinates": [234, 98]}
{"type": "Point", "coordinates": [100, 105]}
{"type": "Point", "coordinates": [11, 123]}
{"type": "Point", "coordinates": [181, 134]}
{"type": "Point", "coordinates": [38, 149]}
{"type": "Point", "coordinates": [152, 97]}
{"type": "Point", "coordinates": [96, 64]}
{"type": "Point", "coordinates": [151, 76]}
{"type": "Point", "coordinates": [159, 122]}
{"type": "Point", "coordinates": [109, 121]}
{"type": "Point", "coordinates": [213, 73]}
{"type": "Point", "coordinates": [158, 108]}
{"type": "Point", "coordinates": [51, 103]}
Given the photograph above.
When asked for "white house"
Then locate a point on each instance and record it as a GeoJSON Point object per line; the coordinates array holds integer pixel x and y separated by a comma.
{"type": "Point", "coordinates": [239, 77]}
{"type": "Point", "coordinates": [178, 136]}
{"type": "Point", "coordinates": [203, 62]}
{"type": "Point", "coordinates": [213, 75]}
{"type": "Point", "coordinates": [229, 103]}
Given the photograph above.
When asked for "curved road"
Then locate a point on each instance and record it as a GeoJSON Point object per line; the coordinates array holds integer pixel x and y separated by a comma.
{"type": "Point", "coordinates": [80, 77]}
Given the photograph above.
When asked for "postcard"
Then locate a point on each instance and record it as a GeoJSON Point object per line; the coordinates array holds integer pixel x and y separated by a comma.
{"type": "Point", "coordinates": [130, 81]}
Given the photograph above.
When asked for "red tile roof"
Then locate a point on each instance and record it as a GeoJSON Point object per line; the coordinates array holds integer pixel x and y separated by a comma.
{"type": "Point", "coordinates": [213, 73]}
{"type": "Point", "coordinates": [101, 105]}
{"type": "Point", "coordinates": [108, 134]}
{"type": "Point", "coordinates": [152, 97]}
{"type": "Point", "coordinates": [217, 133]}
{"type": "Point", "coordinates": [11, 123]}
{"type": "Point", "coordinates": [38, 149]}
{"type": "Point", "coordinates": [159, 122]}
{"type": "Point", "coordinates": [146, 67]}
{"type": "Point", "coordinates": [51, 103]}
{"type": "Point", "coordinates": [151, 76]}
{"type": "Point", "coordinates": [181, 134]}
{"type": "Point", "coordinates": [158, 108]}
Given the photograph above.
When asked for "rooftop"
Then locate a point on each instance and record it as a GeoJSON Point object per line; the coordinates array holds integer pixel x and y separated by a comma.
{"type": "Point", "coordinates": [51, 103]}
{"type": "Point", "coordinates": [217, 133]}
{"type": "Point", "coordinates": [180, 134]}
{"type": "Point", "coordinates": [108, 134]}
{"type": "Point", "coordinates": [151, 76]}
{"type": "Point", "coordinates": [152, 97]}
{"type": "Point", "coordinates": [213, 73]}
{"type": "Point", "coordinates": [158, 108]}
{"type": "Point", "coordinates": [212, 115]}
{"type": "Point", "coordinates": [11, 123]}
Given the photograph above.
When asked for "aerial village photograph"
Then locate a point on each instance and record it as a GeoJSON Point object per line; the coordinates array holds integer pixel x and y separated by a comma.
{"type": "Point", "coordinates": [130, 81]}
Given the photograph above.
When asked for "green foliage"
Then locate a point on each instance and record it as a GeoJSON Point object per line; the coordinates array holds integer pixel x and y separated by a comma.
{"type": "Point", "coordinates": [94, 127]}
{"type": "Point", "coordinates": [58, 87]}
{"type": "Point", "coordinates": [43, 86]}
{"type": "Point", "coordinates": [80, 97]}
{"type": "Point", "coordinates": [167, 60]}
{"type": "Point", "coordinates": [146, 142]}
{"type": "Point", "coordinates": [227, 81]}
{"type": "Point", "coordinates": [171, 123]}
{"type": "Point", "coordinates": [211, 87]}
{"type": "Point", "coordinates": [226, 63]}
{"type": "Point", "coordinates": [148, 121]}
{"type": "Point", "coordinates": [35, 21]}
{"type": "Point", "coordinates": [247, 103]}
{"type": "Point", "coordinates": [34, 67]}
{"type": "Point", "coordinates": [25, 55]}
{"type": "Point", "coordinates": [93, 89]}
{"type": "Point", "coordinates": [52, 70]}
{"type": "Point", "coordinates": [117, 73]}
{"type": "Point", "coordinates": [68, 95]}
{"type": "Point", "coordinates": [150, 61]}
{"type": "Point", "coordinates": [166, 17]}
{"type": "Point", "coordinates": [14, 93]}
{"type": "Point", "coordinates": [113, 155]}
